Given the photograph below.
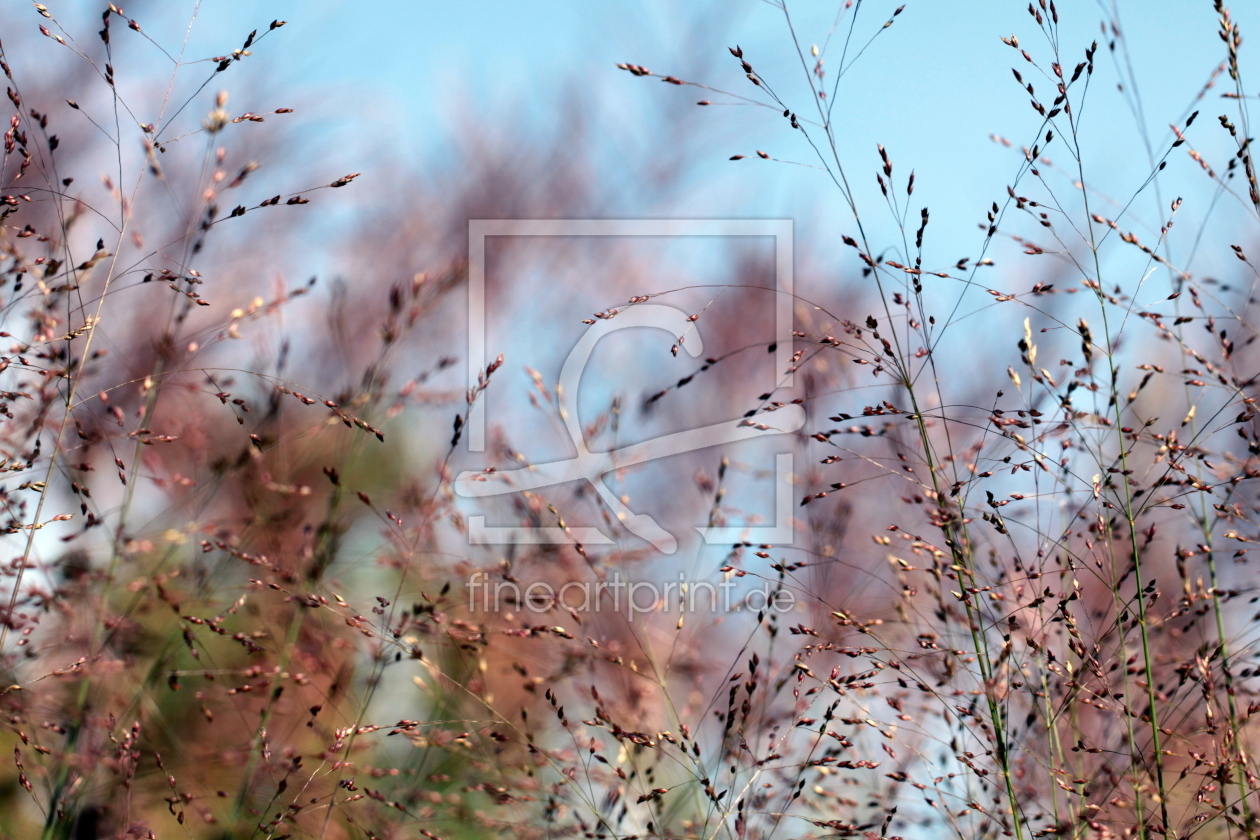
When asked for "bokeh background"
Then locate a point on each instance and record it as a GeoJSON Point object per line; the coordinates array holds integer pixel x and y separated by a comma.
{"type": "Point", "coordinates": [498, 110]}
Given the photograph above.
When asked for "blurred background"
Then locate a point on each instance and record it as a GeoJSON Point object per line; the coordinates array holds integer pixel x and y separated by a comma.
{"type": "Point", "coordinates": [496, 110]}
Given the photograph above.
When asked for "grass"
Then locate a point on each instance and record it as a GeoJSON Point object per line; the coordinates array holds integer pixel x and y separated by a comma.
{"type": "Point", "coordinates": [237, 607]}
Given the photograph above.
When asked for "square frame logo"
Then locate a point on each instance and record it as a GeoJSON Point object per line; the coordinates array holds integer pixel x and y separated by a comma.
{"type": "Point", "coordinates": [594, 466]}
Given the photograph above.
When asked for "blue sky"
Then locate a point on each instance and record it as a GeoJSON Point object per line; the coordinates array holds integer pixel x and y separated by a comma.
{"type": "Point", "coordinates": [931, 88]}
{"type": "Point", "coordinates": [399, 75]}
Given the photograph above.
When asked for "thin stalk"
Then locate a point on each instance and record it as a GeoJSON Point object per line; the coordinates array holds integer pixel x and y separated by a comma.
{"type": "Point", "coordinates": [1147, 658]}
